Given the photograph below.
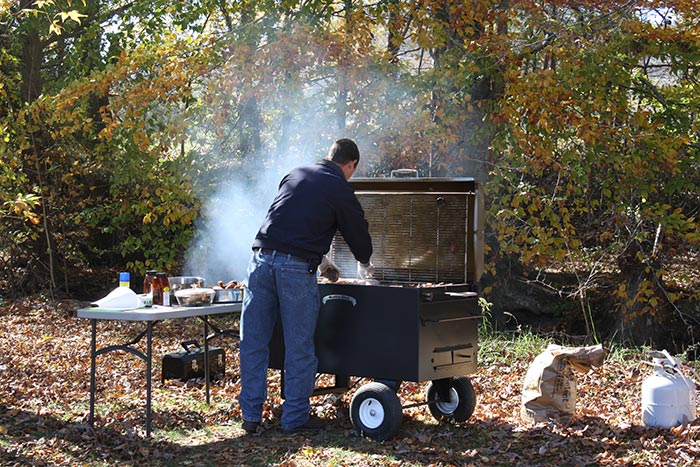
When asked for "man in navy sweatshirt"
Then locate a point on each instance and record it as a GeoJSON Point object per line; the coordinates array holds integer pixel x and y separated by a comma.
{"type": "Point", "coordinates": [312, 203]}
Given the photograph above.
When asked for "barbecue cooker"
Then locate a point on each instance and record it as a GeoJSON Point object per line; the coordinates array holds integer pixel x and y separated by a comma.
{"type": "Point", "coordinates": [417, 321]}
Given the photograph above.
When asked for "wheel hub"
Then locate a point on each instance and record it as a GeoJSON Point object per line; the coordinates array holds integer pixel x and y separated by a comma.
{"type": "Point", "coordinates": [450, 406]}
{"type": "Point", "coordinates": [371, 413]}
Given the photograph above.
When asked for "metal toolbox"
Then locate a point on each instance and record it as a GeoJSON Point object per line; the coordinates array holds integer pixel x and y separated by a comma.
{"type": "Point", "coordinates": [419, 323]}
{"type": "Point", "coordinates": [189, 363]}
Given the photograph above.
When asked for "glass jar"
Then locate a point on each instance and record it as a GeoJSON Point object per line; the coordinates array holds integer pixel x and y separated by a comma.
{"type": "Point", "coordinates": [148, 281]}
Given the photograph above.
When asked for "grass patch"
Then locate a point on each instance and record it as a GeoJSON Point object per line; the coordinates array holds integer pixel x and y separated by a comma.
{"type": "Point", "coordinates": [504, 348]}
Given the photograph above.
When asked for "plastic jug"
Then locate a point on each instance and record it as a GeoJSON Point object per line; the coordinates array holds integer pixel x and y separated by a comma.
{"type": "Point", "coordinates": [668, 398]}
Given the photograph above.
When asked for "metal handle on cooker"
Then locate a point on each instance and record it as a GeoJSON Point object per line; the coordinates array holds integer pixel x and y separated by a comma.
{"type": "Point", "coordinates": [461, 294]}
{"type": "Point", "coordinates": [404, 173]}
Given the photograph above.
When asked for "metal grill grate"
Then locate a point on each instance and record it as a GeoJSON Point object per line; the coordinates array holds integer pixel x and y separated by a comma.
{"type": "Point", "coordinates": [417, 237]}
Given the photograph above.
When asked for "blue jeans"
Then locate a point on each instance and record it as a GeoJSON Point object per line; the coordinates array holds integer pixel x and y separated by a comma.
{"type": "Point", "coordinates": [279, 287]}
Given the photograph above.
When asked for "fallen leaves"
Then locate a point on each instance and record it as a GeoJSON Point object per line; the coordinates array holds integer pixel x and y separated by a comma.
{"type": "Point", "coordinates": [44, 407]}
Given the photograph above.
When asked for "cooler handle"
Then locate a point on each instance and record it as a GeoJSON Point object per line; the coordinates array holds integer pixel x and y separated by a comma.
{"type": "Point", "coordinates": [186, 345]}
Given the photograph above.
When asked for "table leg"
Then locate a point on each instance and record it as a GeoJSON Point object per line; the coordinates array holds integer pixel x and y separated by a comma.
{"type": "Point", "coordinates": [130, 348]}
{"type": "Point", "coordinates": [207, 375]}
{"type": "Point", "coordinates": [93, 349]}
{"type": "Point", "coordinates": [149, 356]}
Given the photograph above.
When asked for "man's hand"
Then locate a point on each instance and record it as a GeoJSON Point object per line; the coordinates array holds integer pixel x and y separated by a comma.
{"type": "Point", "coordinates": [328, 269]}
{"type": "Point", "coordinates": [365, 271]}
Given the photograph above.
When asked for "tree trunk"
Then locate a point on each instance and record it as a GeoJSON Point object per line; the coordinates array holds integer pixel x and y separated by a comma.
{"type": "Point", "coordinates": [93, 61]}
{"type": "Point", "coordinates": [250, 140]}
{"type": "Point", "coordinates": [468, 156]}
{"type": "Point", "coordinates": [31, 89]}
{"type": "Point", "coordinates": [32, 56]}
{"type": "Point", "coordinates": [395, 37]}
{"type": "Point", "coordinates": [251, 121]}
{"type": "Point", "coordinates": [341, 106]}
{"type": "Point", "coordinates": [642, 315]}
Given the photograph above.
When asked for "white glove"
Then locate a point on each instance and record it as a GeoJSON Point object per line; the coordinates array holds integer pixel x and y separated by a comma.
{"type": "Point", "coordinates": [365, 271]}
{"type": "Point", "coordinates": [328, 269]}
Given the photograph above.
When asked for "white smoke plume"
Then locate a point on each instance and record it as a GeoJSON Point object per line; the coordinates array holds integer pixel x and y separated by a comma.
{"type": "Point", "coordinates": [231, 218]}
{"type": "Point", "coordinates": [221, 249]}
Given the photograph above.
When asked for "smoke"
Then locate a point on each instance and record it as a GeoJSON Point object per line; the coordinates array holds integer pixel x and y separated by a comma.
{"type": "Point", "coordinates": [233, 214]}
{"type": "Point", "coordinates": [300, 124]}
{"type": "Point", "coordinates": [231, 218]}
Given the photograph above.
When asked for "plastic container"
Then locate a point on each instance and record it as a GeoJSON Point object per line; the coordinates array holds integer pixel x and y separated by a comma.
{"type": "Point", "coordinates": [228, 295]}
{"type": "Point", "coordinates": [165, 286]}
{"type": "Point", "coordinates": [195, 296]}
{"type": "Point", "coordinates": [668, 398]}
{"type": "Point", "coordinates": [147, 299]}
{"type": "Point", "coordinates": [185, 282]}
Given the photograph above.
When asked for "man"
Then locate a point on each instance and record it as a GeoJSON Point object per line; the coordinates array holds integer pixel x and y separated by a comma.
{"type": "Point", "coordinates": [311, 204]}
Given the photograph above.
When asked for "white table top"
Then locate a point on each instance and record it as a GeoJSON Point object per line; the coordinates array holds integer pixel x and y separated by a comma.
{"type": "Point", "coordinates": [156, 312]}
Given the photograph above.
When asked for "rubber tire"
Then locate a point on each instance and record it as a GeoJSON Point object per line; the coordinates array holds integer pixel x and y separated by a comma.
{"type": "Point", "coordinates": [461, 388]}
{"type": "Point", "coordinates": [389, 406]}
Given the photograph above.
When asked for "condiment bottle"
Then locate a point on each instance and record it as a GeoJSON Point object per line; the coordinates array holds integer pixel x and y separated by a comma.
{"type": "Point", "coordinates": [124, 279]}
{"type": "Point", "coordinates": [148, 281]}
{"type": "Point", "coordinates": [157, 290]}
{"type": "Point", "coordinates": [165, 287]}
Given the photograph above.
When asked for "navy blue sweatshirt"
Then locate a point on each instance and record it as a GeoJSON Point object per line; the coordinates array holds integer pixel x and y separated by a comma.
{"type": "Point", "coordinates": [312, 203]}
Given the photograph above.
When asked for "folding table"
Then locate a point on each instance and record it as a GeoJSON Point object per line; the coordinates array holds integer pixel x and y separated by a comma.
{"type": "Point", "coordinates": [150, 316]}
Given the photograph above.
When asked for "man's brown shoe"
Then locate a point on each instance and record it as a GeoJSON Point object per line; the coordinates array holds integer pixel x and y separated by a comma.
{"type": "Point", "coordinates": [312, 424]}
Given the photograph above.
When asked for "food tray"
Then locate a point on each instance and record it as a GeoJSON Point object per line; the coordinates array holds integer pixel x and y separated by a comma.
{"type": "Point", "coordinates": [233, 295]}
{"type": "Point", "coordinates": [195, 296]}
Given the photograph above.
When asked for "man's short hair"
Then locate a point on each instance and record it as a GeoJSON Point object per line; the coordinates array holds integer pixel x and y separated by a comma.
{"type": "Point", "coordinates": [343, 151]}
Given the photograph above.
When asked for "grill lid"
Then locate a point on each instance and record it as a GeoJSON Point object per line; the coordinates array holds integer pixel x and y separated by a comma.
{"type": "Point", "coordinates": [423, 229]}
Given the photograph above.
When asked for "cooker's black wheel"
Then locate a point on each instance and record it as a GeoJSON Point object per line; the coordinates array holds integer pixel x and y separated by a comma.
{"type": "Point", "coordinates": [375, 411]}
{"type": "Point", "coordinates": [461, 404]}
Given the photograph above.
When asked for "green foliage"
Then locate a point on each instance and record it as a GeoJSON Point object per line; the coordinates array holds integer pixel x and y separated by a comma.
{"type": "Point", "coordinates": [486, 326]}
{"type": "Point", "coordinates": [581, 119]}
{"type": "Point", "coordinates": [80, 188]}
{"type": "Point", "coordinates": [598, 152]}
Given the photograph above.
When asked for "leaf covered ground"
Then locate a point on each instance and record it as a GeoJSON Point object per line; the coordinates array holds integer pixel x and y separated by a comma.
{"type": "Point", "coordinates": [44, 405]}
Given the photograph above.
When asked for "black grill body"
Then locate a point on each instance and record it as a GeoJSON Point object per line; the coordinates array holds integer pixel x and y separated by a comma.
{"type": "Point", "coordinates": [395, 333]}
{"type": "Point", "coordinates": [420, 323]}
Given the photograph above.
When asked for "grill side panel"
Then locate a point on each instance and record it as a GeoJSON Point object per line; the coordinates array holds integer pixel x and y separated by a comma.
{"type": "Point", "coordinates": [368, 331]}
